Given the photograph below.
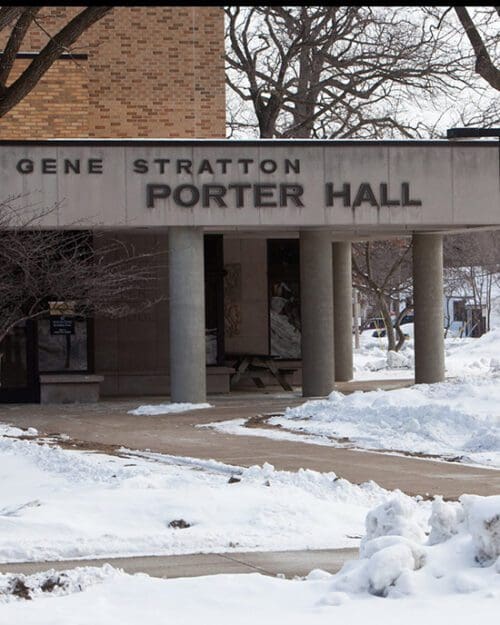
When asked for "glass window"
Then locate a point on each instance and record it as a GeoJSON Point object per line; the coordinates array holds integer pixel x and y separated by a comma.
{"type": "Point", "coordinates": [62, 352]}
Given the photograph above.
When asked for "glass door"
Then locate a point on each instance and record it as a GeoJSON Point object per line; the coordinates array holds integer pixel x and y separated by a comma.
{"type": "Point", "coordinates": [18, 374]}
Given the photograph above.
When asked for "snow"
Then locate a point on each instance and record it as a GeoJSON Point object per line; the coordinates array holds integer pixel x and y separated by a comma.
{"type": "Point", "coordinates": [170, 408]}
{"type": "Point", "coordinates": [455, 420]}
{"type": "Point", "coordinates": [64, 504]}
{"type": "Point", "coordinates": [400, 576]}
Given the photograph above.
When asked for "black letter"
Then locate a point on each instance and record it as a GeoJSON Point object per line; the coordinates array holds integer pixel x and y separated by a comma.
{"type": "Point", "coordinates": [405, 196]}
{"type": "Point", "coordinates": [384, 200]}
{"type": "Point", "coordinates": [156, 191]}
{"type": "Point", "coordinates": [205, 167]}
{"type": "Point", "coordinates": [70, 166]}
{"type": "Point", "coordinates": [292, 166]}
{"type": "Point", "coordinates": [240, 189]}
{"type": "Point", "coordinates": [215, 192]}
{"type": "Point", "coordinates": [331, 194]}
{"type": "Point", "coordinates": [224, 162]}
{"type": "Point", "coordinates": [161, 162]}
{"type": "Point", "coordinates": [364, 194]}
{"type": "Point", "coordinates": [245, 162]}
{"type": "Point", "coordinates": [268, 166]}
{"type": "Point", "coordinates": [140, 166]}
{"type": "Point", "coordinates": [95, 166]}
{"type": "Point", "coordinates": [261, 191]}
{"type": "Point", "coordinates": [25, 166]}
{"type": "Point", "coordinates": [49, 166]}
{"type": "Point", "coordinates": [195, 195]}
{"type": "Point", "coordinates": [184, 164]}
{"type": "Point", "coordinates": [292, 191]}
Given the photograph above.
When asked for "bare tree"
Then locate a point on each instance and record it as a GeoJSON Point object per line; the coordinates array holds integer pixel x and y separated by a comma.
{"type": "Point", "coordinates": [382, 269]}
{"type": "Point", "coordinates": [335, 72]}
{"type": "Point", "coordinates": [483, 35]}
{"type": "Point", "coordinates": [19, 20]}
{"type": "Point", "coordinates": [100, 275]}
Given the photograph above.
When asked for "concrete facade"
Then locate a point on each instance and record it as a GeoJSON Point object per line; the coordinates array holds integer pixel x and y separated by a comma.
{"type": "Point", "coordinates": [341, 185]}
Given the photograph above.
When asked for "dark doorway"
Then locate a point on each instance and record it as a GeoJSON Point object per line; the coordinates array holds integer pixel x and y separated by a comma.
{"type": "Point", "coordinates": [214, 298]}
{"type": "Point", "coordinates": [18, 365]}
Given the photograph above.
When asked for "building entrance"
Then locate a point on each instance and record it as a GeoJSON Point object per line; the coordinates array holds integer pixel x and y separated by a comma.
{"type": "Point", "coordinates": [18, 365]}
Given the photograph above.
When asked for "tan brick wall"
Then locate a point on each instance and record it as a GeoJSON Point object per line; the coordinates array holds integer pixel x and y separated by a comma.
{"type": "Point", "coordinates": [151, 72]}
{"type": "Point", "coordinates": [56, 108]}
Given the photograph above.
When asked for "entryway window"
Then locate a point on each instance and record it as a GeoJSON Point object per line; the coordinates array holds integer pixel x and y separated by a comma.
{"type": "Point", "coordinates": [283, 270]}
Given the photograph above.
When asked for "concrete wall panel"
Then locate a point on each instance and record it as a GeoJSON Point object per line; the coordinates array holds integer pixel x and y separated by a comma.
{"type": "Point", "coordinates": [457, 183]}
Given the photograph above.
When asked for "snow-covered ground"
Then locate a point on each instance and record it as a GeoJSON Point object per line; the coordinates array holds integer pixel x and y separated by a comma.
{"type": "Point", "coordinates": [447, 571]}
{"type": "Point", "coordinates": [62, 504]}
{"type": "Point", "coordinates": [458, 419]}
{"type": "Point", "coordinates": [463, 356]}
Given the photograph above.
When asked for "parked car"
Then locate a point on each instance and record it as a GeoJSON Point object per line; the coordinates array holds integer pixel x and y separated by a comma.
{"type": "Point", "coordinates": [374, 323]}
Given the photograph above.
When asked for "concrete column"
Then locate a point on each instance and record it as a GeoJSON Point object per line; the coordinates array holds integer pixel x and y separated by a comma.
{"type": "Point", "coordinates": [187, 315]}
{"type": "Point", "coordinates": [428, 303]}
{"type": "Point", "coordinates": [316, 304]}
{"type": "Point", "coordinates": [342, 310]}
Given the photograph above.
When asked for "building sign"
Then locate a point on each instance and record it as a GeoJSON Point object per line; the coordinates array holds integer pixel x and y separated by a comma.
{"type": "Point", "coordinates": [61, 317]}
{"type": "Point", "coordinates": [237, 184]}
{"type": "Point", "coordinates": [62, 326]}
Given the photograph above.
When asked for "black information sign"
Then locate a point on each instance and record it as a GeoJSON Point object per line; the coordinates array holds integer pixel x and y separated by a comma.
{"type": "Point", "coordinates": [62, 326]}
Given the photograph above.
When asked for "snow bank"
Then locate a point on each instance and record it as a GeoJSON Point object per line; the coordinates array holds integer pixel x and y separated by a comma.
{"type": "Point", "coordinates": [401, 576]}
{"type": "Point", "coordinates": [450, 419]}
{"type": "Point", "coordinates": [61, 504]}
{"type": "Point", "coordinates": [460, 555]}
{"type": "Point", "coordinates": [159, 409]}
{"type": "Point", "coordinates": [19, 587]}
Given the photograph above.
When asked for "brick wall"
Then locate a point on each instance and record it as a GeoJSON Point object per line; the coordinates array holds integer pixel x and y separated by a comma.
{"type": "Point", "coordinates": [56, 108]}
{"type": "Point", "coordinates": [150, 72]}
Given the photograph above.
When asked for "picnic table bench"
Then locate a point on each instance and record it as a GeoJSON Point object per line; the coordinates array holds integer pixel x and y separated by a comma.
{"type": "Point", "coordinates": [254, 365]}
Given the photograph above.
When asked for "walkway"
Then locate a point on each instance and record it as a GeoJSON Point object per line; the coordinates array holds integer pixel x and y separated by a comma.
{"type": "Point", "coordinates": [108, 425]}
{"type": "Point", "coordinates": [288, 563]}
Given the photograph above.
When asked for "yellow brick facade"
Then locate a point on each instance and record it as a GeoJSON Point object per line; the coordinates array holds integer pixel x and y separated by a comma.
{"type": "Point", "coordinates": [149, 72]}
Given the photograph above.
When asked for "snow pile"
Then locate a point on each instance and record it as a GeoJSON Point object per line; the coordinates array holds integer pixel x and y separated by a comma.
{"type": "Point", "coordinates": [461, 555]}
{"type": "Point", "coordinates": [175, 408]}
{"type": "Point", "coordinates": [463, 356]}
{"type": "Point", "coordinates": [61, 504]}
{"type": "Point", "coordinates": [473, 357]}
{"type": "Point", "coordinates": [450, 419]}
{"type": "Point", "coordinates": [18, 587]}
{"type": "Point", "coordinates": [10, 430]}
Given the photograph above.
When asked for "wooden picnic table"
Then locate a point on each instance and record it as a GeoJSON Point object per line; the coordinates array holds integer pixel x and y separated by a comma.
{"type": "Point", "coordinates": [251, 365]}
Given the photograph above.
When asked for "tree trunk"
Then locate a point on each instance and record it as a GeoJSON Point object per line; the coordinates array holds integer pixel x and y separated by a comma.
{"type": "Point", "coordinates": [386, 315]}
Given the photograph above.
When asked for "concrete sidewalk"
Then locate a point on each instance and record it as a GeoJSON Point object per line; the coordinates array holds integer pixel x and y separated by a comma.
{"type": "Point", "coordinates": [288, 563]}
{"type": "Point", "coordinates": [107, 425]}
